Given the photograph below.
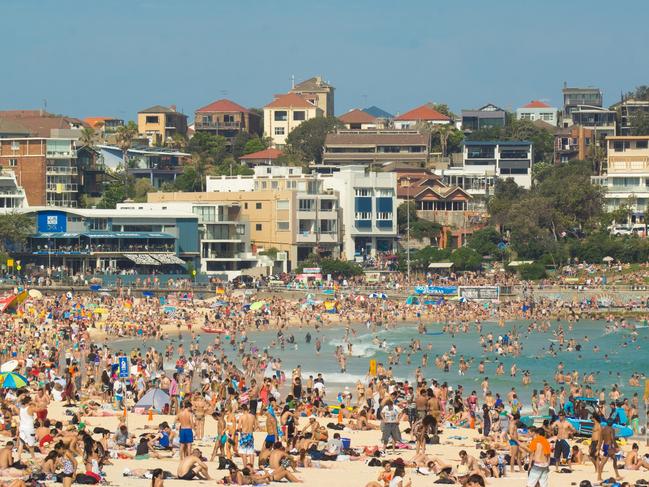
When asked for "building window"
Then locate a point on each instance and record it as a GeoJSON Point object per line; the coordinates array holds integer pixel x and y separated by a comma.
{"type": "Point", "coordinates": [13, 162]}
{"type": "Point", "coordinates": [281, 116]}
{"type": "Point", "coordinates": [363, 191]}
{"type": "Point", "coordinates": [263, 184]}
{"type": "Point", "coordinates": [152, 119]}
{"type": "Point", "coordinates": [257, 206]}
{"type": "Point", "coordinates": [363, 215]}
{"type": "Point", "coordinates": [279, 131]}
{"type": "Point", "coordinates": [305, 205]}
{"type": "Point", "coordinates": [282, 226]}
{"type": "Point", "coordinates": [641, 144]}
{"type": "Point", "coordinates": [387, 192]}
{"type": "Point", "coordinates": [282, 204]}
{"type": "Point", "coordinates": [258, 227]}
{"type": "Point", "coordinates": [299, 115]}
{"type": "Point", "coordinates": [383, 215]}
{"type": "Point", "coordinates": [620, 145]}
{"type": "Point", "coordinates": [15, 145]}
{"type": "Point", "coordinates": [228, 118]}
{"type": "Point", "coordinates": [274, 185]}
{"type": "Point", "coordinates": [98, 223]}
{"type": "Point", "coordinates": [245, 206]}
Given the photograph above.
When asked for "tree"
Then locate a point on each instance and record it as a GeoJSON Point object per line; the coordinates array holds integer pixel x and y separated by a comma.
{"type": "Point", "coordinates": [89, 137]}
{"type": "Point", "coordinates": [255, 144]}
{"type": "Point", "coordinates": [14, 230]}
{"type": "Point", "coordinates": [307, 139]}
{"type": "Point", "coordinates": [125, 135]}
{"type": "Point", "coordinates": [402, 215]}
{"type": "Point", "coordinates": [141, 188]}
{"type": "Point", "coordinates": [466, 259]}
{"type": "Point", "coordinates": [239, 143]}
{"type": "Point", "coordinates": [640, 123]}
{"type": "Point", "coordinates": [485, 241]}
{"type": "Point", "coordinates": [116, 192]}
{"type": "Point", "coordinates": [420, 229]}
{"type": "Point", "coordinates": [211, 148]}
{"type": "Point", "coordinates": [532, 272]}
{"type": "Point", "coordinates": [178, 142]}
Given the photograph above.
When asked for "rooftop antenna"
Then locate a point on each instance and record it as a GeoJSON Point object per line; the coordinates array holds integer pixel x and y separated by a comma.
{"type": "Point", "coordinates": [292, 81]}
{"type": "Point", "coordinates": [44, 109]}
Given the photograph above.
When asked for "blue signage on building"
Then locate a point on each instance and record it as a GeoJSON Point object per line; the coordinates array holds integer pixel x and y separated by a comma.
{"type": "Point", "coordinates": [52, 221]}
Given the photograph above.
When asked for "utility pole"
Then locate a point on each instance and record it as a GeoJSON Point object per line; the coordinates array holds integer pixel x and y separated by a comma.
{"type": "Point", "coordinates": [408, 232]}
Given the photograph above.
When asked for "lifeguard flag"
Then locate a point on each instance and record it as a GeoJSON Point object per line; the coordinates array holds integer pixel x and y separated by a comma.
{"type": "Point", "coordinates": [646, 389]}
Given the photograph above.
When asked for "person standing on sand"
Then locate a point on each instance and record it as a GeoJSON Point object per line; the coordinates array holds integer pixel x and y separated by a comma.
{"type": "Point", "coordinates": [199, 407]}
{"type": "Point", "coordinates": [539, 448]}
{"type": "Point", "coordinates": [514, 443]}
{"type": "Point", "coordinates": [561, 446]}
{"type": "Point", "coordinates": [595, 441]}
{"type": "Point", "coordinates": [185, 421]}
{"type": "Point", "coordinates": [247, 423]}
{"type": "Point", "coordinates": [390, 424]}
{"type": "Point", "coordinates": [609, 450]}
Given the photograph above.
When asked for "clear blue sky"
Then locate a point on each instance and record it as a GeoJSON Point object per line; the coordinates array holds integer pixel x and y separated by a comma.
{"type": "Point", "coordinates": [114, 57]}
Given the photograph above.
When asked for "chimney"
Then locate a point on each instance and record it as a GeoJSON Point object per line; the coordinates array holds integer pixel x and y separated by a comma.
{"type": "Point", "coordinates": [173, 108]}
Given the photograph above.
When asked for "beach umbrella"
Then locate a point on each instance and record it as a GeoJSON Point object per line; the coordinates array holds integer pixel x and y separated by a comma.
{"type": "Point", "coordinates": [147, 294]}
{"type": "Point", "coordinates": [12, 380]}
{"type": "Point", "coordinates": [378, 296]}
{"type": "Point", "coordinates": [95, 287]}
{"type": "Point", "coordinates": [328, 292]}
{"type": "Point", "coordinates": [9, 366]}
{"type": "Point", "coordinates": [35, 293]}
{"type": "Point", "coordinates": [154, 399]}
{"type": "Point", "coordinates": [257, 305]}
{"type": "Point", "coordinates": [608, 258]}
{"type": "Point", "coordinates": [412, 300]}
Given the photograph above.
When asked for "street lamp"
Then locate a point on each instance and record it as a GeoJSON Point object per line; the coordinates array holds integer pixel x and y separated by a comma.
{"type": "Point", "coordinates": [408, 231]}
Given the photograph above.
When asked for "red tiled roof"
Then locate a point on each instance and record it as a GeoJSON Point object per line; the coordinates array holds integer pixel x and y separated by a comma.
{"type": "Point", "coordinates": [424, 112]}
{"type": "Point", "coordinates": [223, 105]}
{"type": "Point", "coordinates": [289, 100]}
{"type": "Point", "coordinates": [536, 104]}
{"type": "Point", "coordinates": [94, 121]}
{"type": "Point", "coordinates": [357, 116]}
{"type": "Point", "coordinates": [266, 154]}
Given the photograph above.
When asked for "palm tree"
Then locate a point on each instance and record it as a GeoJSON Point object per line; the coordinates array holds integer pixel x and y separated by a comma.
{"type": "Point", "coordinates": [125, 135]}
{"type": "Point", "coordinates": [88, 137]}
{"type": "Point", "coordinates": [178, 142]}
{"type": "Point", "coordinates": [444, 132]}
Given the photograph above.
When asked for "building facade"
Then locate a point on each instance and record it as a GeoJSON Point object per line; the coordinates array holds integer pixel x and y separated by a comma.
{"type": "Point", "coordinates": [159, 124]}
{"type": "Point", "coordinates": [538, 110]}
{"type": "Point", "coordinates": [627, 176]}
{"type": "Point", "coordinates": [627, 111]}
{"type": "Point", "coordinates": [317, 92]}
{"type": "Point", "coordinates": [227, 118]}
{"type": "Point", "coordinates": [572, 143]}
{"type": "Point", "coordinates": [110, 241]}
{"type": "Point", "coordinates": [45, 167]}
{"type": "Point", "coordinates": [357, 119]}
{"type": "Point", "coordinates": [285, 113]}
{"type": "Point", "coordinates": [601, 121]}
{"type": "Point", "coordinates": [373, 147]}
{"type": "Point", "coordinates": [486, 117]}
{"type": "Point", "coordinates": [573, 97]}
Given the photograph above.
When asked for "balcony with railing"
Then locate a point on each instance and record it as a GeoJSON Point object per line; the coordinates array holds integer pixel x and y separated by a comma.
{"type": "Point", "coordinates": [62, 170]}
{"type": "Point", "coordinates": [216, 125]}
{"type": "Point", "coordinates": [62, 187]}
{"type": "Point", "coordinates": [628, 164]}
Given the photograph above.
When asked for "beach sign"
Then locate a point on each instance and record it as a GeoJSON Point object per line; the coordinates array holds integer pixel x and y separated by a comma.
{"type": "Point", "coordinates": [123, 367]}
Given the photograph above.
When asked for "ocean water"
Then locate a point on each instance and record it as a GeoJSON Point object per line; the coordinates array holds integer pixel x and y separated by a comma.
{"type": "Point", "coordinates": [618, 357]}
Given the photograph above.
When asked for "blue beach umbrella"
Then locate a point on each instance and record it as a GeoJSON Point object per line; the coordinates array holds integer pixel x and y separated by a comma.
{"type": "Point", "coordinates": [12, 380]}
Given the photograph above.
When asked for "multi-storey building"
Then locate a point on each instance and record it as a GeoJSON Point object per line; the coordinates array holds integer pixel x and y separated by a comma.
{"type": "Point", "coordinates": [372, 147]}
{"type": "Point", "coordinates": [627, 175]}
{"type": "Point", "coordinates": [357, 119]}
{"type": "Point", "coordinates": [285, 113]}
{"type": "Point", "coordinates": [573, 97]}
{"type": "Point", "coordinates": [318, 93]}
{"type": "Point", "coordinates": [627, 111]}
{"type": "Point", "coordinates": [45, 167]}
{"type": "Point", "coordinates": [572, 143]}
{"type": "Point", "coordinates": [486, 117]}
{"type": "Point", "coordinates": [227, 118]}
{"type": "Point", "coordinates": [538, 110]}
{"type": "Point", "coordinates": [159, 124]}
{"type": "Point", "coordinates": [600, 120]}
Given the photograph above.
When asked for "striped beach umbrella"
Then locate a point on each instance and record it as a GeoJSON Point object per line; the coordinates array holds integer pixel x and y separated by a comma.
{"type": "Point", "coordinates": [11, 380]}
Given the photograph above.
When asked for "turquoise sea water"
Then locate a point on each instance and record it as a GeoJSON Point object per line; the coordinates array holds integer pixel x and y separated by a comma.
{"type": "Point", "coordinates": [617, 359]}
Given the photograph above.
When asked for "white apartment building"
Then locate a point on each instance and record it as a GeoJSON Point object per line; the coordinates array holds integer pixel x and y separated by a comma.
{"type": "Point", "coordinates": [538, 110]}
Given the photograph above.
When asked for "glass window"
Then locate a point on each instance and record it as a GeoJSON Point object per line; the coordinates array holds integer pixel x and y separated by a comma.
{"type": "Point", "coordinates": [258, 227]}
{"type": "Point", "coordinates": [282, 204]}
{"type": "Point", "coordinates": [305, 205]}
{"type": "Point", "coordinates": [279, 131]}
{"type": "Point", "coordinates": [282, 226]}
{"type": "Point", "coordinates": [15, 145]}
{"type": "Point", "coordinates": [152, 119]}
{"type": "Point", "coordinates": [13, 162]}
{"type": "Point", "coordinates": [281, 115]}
{"type": "Point", "coordinates": [641, 144]}
{"type": "Point", "coordinates": [258, 206]}
{"type": "Point", "coordinates": [299, 115]}
{"type": "Point", "coordinates": [363, 191]}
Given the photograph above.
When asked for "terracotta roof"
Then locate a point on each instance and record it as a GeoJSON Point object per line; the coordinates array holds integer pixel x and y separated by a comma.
{"type": "Point", "coordinates": [266, 154]}
{"type": "Point", "coordinates": [536, 104]}
{"type": "Point", "coordinates": [223, 105]}
{"type": "Point", "coordinates": [425, 113]}
{"type": "Point", "coordinates": [357, 116]}
{"type": "Point", "coordinates": [94, 121]}
{"type": "Point", "coordinates": [289, 100]}
{"type": "Point", "coordinates": [12, 127]}
{"type": "Point", "coordinates": [39, 124]}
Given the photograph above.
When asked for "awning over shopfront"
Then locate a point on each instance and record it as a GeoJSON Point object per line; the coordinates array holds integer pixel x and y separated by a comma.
{"type": "Point", "coordinates": [154, 259]}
